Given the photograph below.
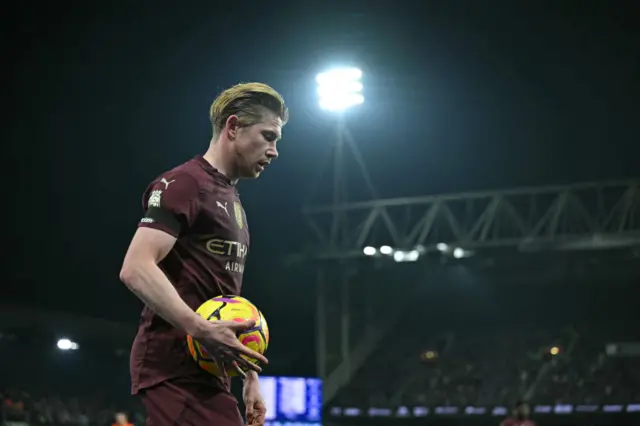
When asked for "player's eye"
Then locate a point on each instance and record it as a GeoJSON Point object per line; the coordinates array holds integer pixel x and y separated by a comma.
{"type": "Point", "coordinates": [270, 136]}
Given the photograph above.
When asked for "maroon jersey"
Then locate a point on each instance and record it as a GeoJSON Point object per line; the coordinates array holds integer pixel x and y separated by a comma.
{"type": "Point", "coordinates": [200, 207]}
{"type": "Point", "coordinates": [512, 421]}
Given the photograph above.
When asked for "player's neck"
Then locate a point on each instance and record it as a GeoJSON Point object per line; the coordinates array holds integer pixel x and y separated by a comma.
{"type": "Point", "coordinates": [216, 158]}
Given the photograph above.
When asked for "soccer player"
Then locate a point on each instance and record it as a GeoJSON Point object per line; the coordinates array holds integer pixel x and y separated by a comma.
{"type": "Point", "coordinates": [190, 246]}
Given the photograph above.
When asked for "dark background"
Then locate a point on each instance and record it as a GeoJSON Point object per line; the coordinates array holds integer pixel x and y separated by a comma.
{"type": "Point", "coordinates": [101, 98]}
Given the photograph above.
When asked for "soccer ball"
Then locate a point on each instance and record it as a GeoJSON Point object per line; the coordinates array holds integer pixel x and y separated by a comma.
{"type": "Point", "coordinates": [230, 308]}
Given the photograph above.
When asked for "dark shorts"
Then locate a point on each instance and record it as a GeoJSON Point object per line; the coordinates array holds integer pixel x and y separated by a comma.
{"type": "Point", "coordinates": [175, 403]}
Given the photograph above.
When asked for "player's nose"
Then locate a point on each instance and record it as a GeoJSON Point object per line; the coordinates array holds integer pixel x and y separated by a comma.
{"type": "Point", "coordinates": [272, 153]}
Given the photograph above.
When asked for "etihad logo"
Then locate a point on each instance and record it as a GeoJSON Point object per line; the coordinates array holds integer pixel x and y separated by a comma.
{"type": "Point", "coordinates": [230, 248]}
{"type": "Point", "coordinates": [235, 250]}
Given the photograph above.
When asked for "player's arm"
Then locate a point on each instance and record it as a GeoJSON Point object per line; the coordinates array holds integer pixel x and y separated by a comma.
{"type": "Point", "coordinates": [171, 207]}
{"type": "Point", "coordinates": [141, 274]}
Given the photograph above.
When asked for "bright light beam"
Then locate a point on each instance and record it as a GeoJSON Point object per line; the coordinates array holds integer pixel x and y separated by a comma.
{"type": "Point", "coordinates": [340, 89]}
{"type": "Point", "coordinates": [67, 345]}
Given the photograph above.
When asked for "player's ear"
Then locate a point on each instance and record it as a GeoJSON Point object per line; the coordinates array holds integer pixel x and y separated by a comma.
{"type": "Point", "coordinates": [232, 125]}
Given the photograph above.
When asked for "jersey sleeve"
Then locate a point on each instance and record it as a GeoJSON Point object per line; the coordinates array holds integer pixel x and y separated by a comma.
{"type": "Point", "coordinates": [172, 203]}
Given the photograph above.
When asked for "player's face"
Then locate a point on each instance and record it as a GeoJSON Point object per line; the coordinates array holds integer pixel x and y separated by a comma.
{"type": "Point", "coordinates": [255, 146]}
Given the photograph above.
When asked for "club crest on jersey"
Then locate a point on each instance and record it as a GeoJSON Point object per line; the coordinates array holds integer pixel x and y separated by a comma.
{"type": "Point", "coordinates": [237, 209]}
{"type": "Point", "coordinates": [155, 197]}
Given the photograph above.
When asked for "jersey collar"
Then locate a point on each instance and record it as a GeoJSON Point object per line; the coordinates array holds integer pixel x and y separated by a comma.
{"type": "Point", "coordinates": [212, 171]}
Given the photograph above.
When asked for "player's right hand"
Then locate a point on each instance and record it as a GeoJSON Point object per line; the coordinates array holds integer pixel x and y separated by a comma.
{"type": "Point", "coordinates": [221, 340]}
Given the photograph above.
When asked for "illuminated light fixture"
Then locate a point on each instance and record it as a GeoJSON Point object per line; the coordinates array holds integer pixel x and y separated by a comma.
{"type": "Point", "coordinates": [412, 255]}
{"type": "Point", "coordinates": [369, 251]}
{"type": "Point", "coordinates": [442, 247]}
{"type": "Point", "coordinates": [386, 250]}
{"type": "Point", "coordinates": [67, 345]}
{"type": "Point", "coordinates": [460, 253]}
{"type": "Point", "coordinates": [340, 89]}
{"type": "Point", "coordinates": [406, 256]}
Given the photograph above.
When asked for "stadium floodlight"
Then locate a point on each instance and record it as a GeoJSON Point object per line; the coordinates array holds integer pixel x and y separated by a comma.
{"type": "Point", "coordinates": [369, 251]}
{"type": "Point", "coordinates": [340, 88]}
{"type": "Point", "coordinates": [460, 253]}
{"type": "Point", "coordinates": [67, 345]}
{"type": "Point", "coordinates": [442, 247]}
{"type": "Point", "coordinates": [406, 256]}
{"type": "Point", "coordinates": [386, 250]}
{"type": "Point", "coordinates": [413, 255]}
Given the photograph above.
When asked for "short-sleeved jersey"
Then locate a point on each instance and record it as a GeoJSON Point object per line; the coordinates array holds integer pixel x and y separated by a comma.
{"type": "Point", "coordinates": [200, 207]}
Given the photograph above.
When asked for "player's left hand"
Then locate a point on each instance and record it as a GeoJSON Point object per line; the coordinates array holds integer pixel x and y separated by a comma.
{"type": "Point", "coordinates": [255, 408]}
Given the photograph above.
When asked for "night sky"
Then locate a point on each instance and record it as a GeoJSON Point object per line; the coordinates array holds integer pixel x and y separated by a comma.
{"type": "Point", "coordinates": [460, 95]}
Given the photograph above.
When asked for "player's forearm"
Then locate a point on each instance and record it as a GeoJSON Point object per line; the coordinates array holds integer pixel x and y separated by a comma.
{"type": "Point", "coordinates": [151, 285]}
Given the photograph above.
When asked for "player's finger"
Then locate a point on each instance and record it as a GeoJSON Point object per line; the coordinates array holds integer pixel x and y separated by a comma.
{"type": "Point", "coordinates": [240, 371]}
{"type": "Point", "coordinates": [241, 326]}
{"type": "Point", "coordinates": [235, 347]}
{"type": "Point", "coordinates": [234, 357]}
{"type": "Point", "coordinates": [249, 365]}
{"type": "Point", "coordinates": [238, 348]}
{"type": "Point", "coordinates": [225, 356]}
{"type": "Point", "coordinates": [259, 419]}
{"type": "Point", "coordinates": [242, 349]}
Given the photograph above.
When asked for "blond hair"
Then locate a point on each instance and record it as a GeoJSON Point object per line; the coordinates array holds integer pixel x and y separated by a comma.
{"type": "Point", "coordinates": [250, 102]}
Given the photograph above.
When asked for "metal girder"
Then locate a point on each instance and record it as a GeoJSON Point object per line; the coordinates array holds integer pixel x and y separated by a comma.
{"type": "Point", "coordinates": [580, 216]}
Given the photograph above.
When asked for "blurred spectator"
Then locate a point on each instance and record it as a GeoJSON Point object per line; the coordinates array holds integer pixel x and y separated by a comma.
{"type": "Point", "coordinates": [121, 419]}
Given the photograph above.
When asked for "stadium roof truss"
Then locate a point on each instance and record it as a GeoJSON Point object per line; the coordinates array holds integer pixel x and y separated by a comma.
{"type": "Point", "coordinates": [586, 216]}
{"type": "Point", "coordinates": [571, 217]}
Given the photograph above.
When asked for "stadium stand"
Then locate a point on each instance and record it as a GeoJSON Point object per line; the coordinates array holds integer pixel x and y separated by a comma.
{"type": "Point", "coordinates": [555, 346]}
{"type": "Point", "coordinates": [547, 345]}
